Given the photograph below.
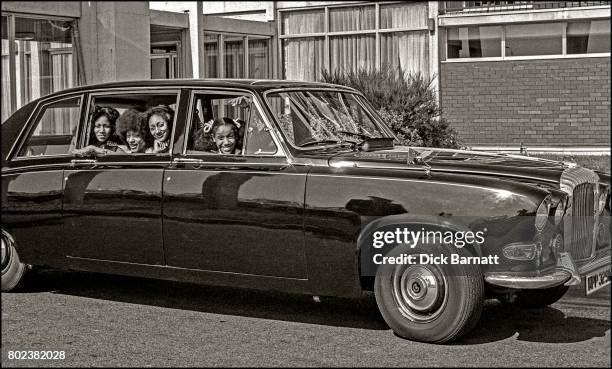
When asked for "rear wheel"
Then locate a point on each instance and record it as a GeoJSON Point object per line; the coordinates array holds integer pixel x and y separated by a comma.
{"type": "Point", "coordinates": [13, 270]}
{"type": "Point", "coordinates": [429, 302]}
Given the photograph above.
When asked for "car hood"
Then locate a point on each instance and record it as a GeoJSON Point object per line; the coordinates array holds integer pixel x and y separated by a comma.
{"type": "Point", "coordinates": [455, 161]}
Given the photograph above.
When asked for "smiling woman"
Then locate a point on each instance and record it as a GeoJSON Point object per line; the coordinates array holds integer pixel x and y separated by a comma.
{"type": "Point", "coordinates": [134, 132]}
{"type": "Point", "coordinates": [101, 140]}
{"type": "Point", "coordinates": [159, 119]}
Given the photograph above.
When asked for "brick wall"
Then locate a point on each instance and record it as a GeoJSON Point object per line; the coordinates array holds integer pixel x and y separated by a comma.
{"type": "Point", "coordinates": [552, 102]}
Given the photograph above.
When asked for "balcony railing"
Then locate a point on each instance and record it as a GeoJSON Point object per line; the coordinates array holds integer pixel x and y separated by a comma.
{"type": "Point", "coordinates": [454, 7]}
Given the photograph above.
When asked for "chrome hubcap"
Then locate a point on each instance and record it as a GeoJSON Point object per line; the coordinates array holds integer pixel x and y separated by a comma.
{"type": "Point", "coordinates": [419, 291]}
{"type": "Point", "coordinates": [6, 251]}
{"type": "Point", "coordinates": [3, 250]}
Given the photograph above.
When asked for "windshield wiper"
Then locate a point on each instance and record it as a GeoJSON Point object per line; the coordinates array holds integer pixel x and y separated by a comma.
{"type": "Point", "coordinates": [329, 142]}
{"type": "Point", "coordinates": [371, 143]}
{"type": "Point", "coordinates": [360, 135]}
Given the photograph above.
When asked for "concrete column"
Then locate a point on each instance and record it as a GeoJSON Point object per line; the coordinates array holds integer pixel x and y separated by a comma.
{"type": "Point", "coordinates": [196, 34]}
{"type": "Point", "coordinates": [116, 40]}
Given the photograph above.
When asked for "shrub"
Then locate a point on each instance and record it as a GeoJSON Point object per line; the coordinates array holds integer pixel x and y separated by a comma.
{"type": "Point", "coordinates": [406, 102]}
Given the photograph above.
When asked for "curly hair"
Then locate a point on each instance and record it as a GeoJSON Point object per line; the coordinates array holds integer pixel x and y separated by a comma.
{"type": "Point", "coordinates": [163, 111]}
{"type": "Point", "coordinates": [101, 111]}
{"type": "Point", "coordinates": [134, 121]}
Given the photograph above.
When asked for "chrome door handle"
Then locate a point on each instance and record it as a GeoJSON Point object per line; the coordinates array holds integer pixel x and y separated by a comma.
{"type": "Point", "coordinates": [83, 161]}
{"type": "Point", "coordinates": [187, 161]}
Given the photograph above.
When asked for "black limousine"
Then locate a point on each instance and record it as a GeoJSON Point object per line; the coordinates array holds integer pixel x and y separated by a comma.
{"type": "Point", "coordinates": [296, 187]}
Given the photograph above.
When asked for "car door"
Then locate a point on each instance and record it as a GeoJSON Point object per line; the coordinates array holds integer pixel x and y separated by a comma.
{"type": "Point", "coordinates": [112, 203]}
{"type": "Point", "coordinates": [234, 213]}
{"type": "Point", "coordinates": [32, 179]}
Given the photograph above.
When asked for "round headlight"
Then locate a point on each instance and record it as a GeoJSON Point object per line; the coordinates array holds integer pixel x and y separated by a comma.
{"type": "Point", "coordinates": [542, 214]}
{"type": "Point", "coordinates": [560, 211]}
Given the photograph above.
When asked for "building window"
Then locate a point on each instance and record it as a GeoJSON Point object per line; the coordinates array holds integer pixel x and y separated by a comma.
{"type": "Point", "coordinates": [354, 37]}
{"type": "Point", "coordinates": [38, 56]}
{"type": "Point", "coordinates": [259, 57]}
{"type": "Point", "coordinates": [164, 62]}
{"type": "Point", "coordinates": [234, 57]}
{"type": "Point", "coordinates": [534, 39]}
{"type": "Point", "coordinates": [242, 56]}
{"type": "Point", "coordinates": [529, 40]}
{"type": "Point", "coordinates": [167, 54]}
{"type": "Point", "coordinates": [588, 37]}
{"type": "Point", "coordinates": [474, 42]}
{"type": "Point", "coordinates": [211, 52]}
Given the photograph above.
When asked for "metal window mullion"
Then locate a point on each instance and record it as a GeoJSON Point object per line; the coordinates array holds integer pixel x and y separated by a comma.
{"type": "Point", "coordinates": [351, 33]}
{"type": "Point", "coordinates": [402, 29]}
{"type": "Point", "coordinates": [302, 35]}
{"type": "Point", "coordinates": [280, 52]}
{"type": "Point", "coordinates": [503, 42]}
{"type": "Point", "coordinates": [378, 51]}
{"type": "Point", "coordinates": [326, 53]}
{"type": "Point", "coordinates": [179, 59]}
{"type": "Point", "coordinates": [245, 43]}
{"type": "Point", "coordinates": [12, 66]}
{"type": "Point", "coordinates": [221, 63]}
{"type": "Point", "coordinates": [564, 39]}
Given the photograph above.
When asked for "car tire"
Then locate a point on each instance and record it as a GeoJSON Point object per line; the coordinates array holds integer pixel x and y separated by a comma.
{"type": "Point", "coordinates": [13, 270]}
{"type": "Point", "coordinates": [535, 299]}
{"type": "Point", "coordinates": [447, 309]}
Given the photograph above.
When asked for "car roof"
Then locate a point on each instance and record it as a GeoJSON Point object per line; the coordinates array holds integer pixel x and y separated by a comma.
{"type": "Point", "coordinates": [250, 84]}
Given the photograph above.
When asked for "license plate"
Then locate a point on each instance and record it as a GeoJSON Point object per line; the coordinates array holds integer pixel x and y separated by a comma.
{"type": "Point", "coordinates": [597, 280]}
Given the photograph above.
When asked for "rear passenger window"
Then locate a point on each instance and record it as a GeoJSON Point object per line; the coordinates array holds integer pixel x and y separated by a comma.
{"type": "Point", "coordinates": [55, 130]}
{"type": "Point", "coordinates": [129, 123]}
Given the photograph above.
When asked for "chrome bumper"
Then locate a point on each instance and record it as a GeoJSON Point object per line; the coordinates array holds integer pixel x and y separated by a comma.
{"type": "Point", "coordinates": [565, 272]}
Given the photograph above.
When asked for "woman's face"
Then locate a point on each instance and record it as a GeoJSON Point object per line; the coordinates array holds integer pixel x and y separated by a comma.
{"type": "Point", "coordinates": [159, 128]}
{"type": "Point", "coordinates": [225, 139]}
{"type": "Point", "coordinates": [102, 129]}
{"type": "Point", "coordinates": [135, 141]}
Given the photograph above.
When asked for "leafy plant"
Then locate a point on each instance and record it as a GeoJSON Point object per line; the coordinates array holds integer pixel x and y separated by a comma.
{"type": "Point", "coordinates": [406, 102]}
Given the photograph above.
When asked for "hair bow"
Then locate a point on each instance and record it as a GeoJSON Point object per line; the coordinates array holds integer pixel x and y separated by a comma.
{"type": "Point", "coordinates": [208, 126]}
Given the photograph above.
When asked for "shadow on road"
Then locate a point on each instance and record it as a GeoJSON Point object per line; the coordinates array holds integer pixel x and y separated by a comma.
{"type": "Point", "coordinates": [342, 312]}
{"type": "Point", "coordinates": [498, 322]}
{"type": "Point", "coordinates": [548, 325]}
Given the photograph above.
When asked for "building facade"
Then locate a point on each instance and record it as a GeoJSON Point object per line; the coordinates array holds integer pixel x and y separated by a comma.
{"type": "Point", "coordinates": [536, 73]}
{"type": "Point", "coordinates": [508, 73]}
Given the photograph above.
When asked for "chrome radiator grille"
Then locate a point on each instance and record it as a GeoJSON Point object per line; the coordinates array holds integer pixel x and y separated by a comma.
{"type": "Point", "coordinates": [582, 222]}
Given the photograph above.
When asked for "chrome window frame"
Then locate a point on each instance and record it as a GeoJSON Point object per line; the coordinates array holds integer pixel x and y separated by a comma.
{"type": "Point", "coordinates": [366, 107]}
{"type": "Point", "coordinates": [34, 118]}
{"type": "Point", "coordinates": [280, 149]}
{"type": "Point", "coordinates": [128, 91]}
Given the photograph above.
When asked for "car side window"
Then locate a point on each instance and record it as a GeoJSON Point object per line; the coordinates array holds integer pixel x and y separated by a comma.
{"type": "Point", "coordinates": [132, 123]}
{"type": "Point", "coordinates": [258, 139]}
{"type": "Point", "coordinates": [55, 131]}
{"type": "Point", "coordinates": [228, 124]}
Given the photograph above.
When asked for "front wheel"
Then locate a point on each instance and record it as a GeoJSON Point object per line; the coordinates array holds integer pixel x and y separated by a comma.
{"type": "Point", "coordinates": [13, 269]}
{"type": "Point", "coordinates": [434, 303]}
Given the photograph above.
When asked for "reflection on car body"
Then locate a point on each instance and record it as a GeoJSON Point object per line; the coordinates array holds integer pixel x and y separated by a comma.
{"type": "Point", "coordinates": [285, 197]}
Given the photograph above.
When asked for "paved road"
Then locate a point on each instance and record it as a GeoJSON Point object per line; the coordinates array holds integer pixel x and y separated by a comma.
{"type": "Point", "coordinates": [101, 320]}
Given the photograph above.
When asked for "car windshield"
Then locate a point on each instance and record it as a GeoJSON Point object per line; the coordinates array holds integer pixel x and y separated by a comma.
{"type": "Point", "coordinates": [323, 117]}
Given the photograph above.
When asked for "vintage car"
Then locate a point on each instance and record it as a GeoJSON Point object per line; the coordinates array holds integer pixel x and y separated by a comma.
{"type": "Point", "coordinates": [293, 196]}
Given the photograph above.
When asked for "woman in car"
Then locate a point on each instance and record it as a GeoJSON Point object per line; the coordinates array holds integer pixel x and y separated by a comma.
{"type": "Point", "coordinates": [159, 120]}
{"type": "Point", "coordinates": [102, 138]}
{"type": "Point", "coordinates": [133, 130]}
{"type": "Point", "coordinates": [226, 135]}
